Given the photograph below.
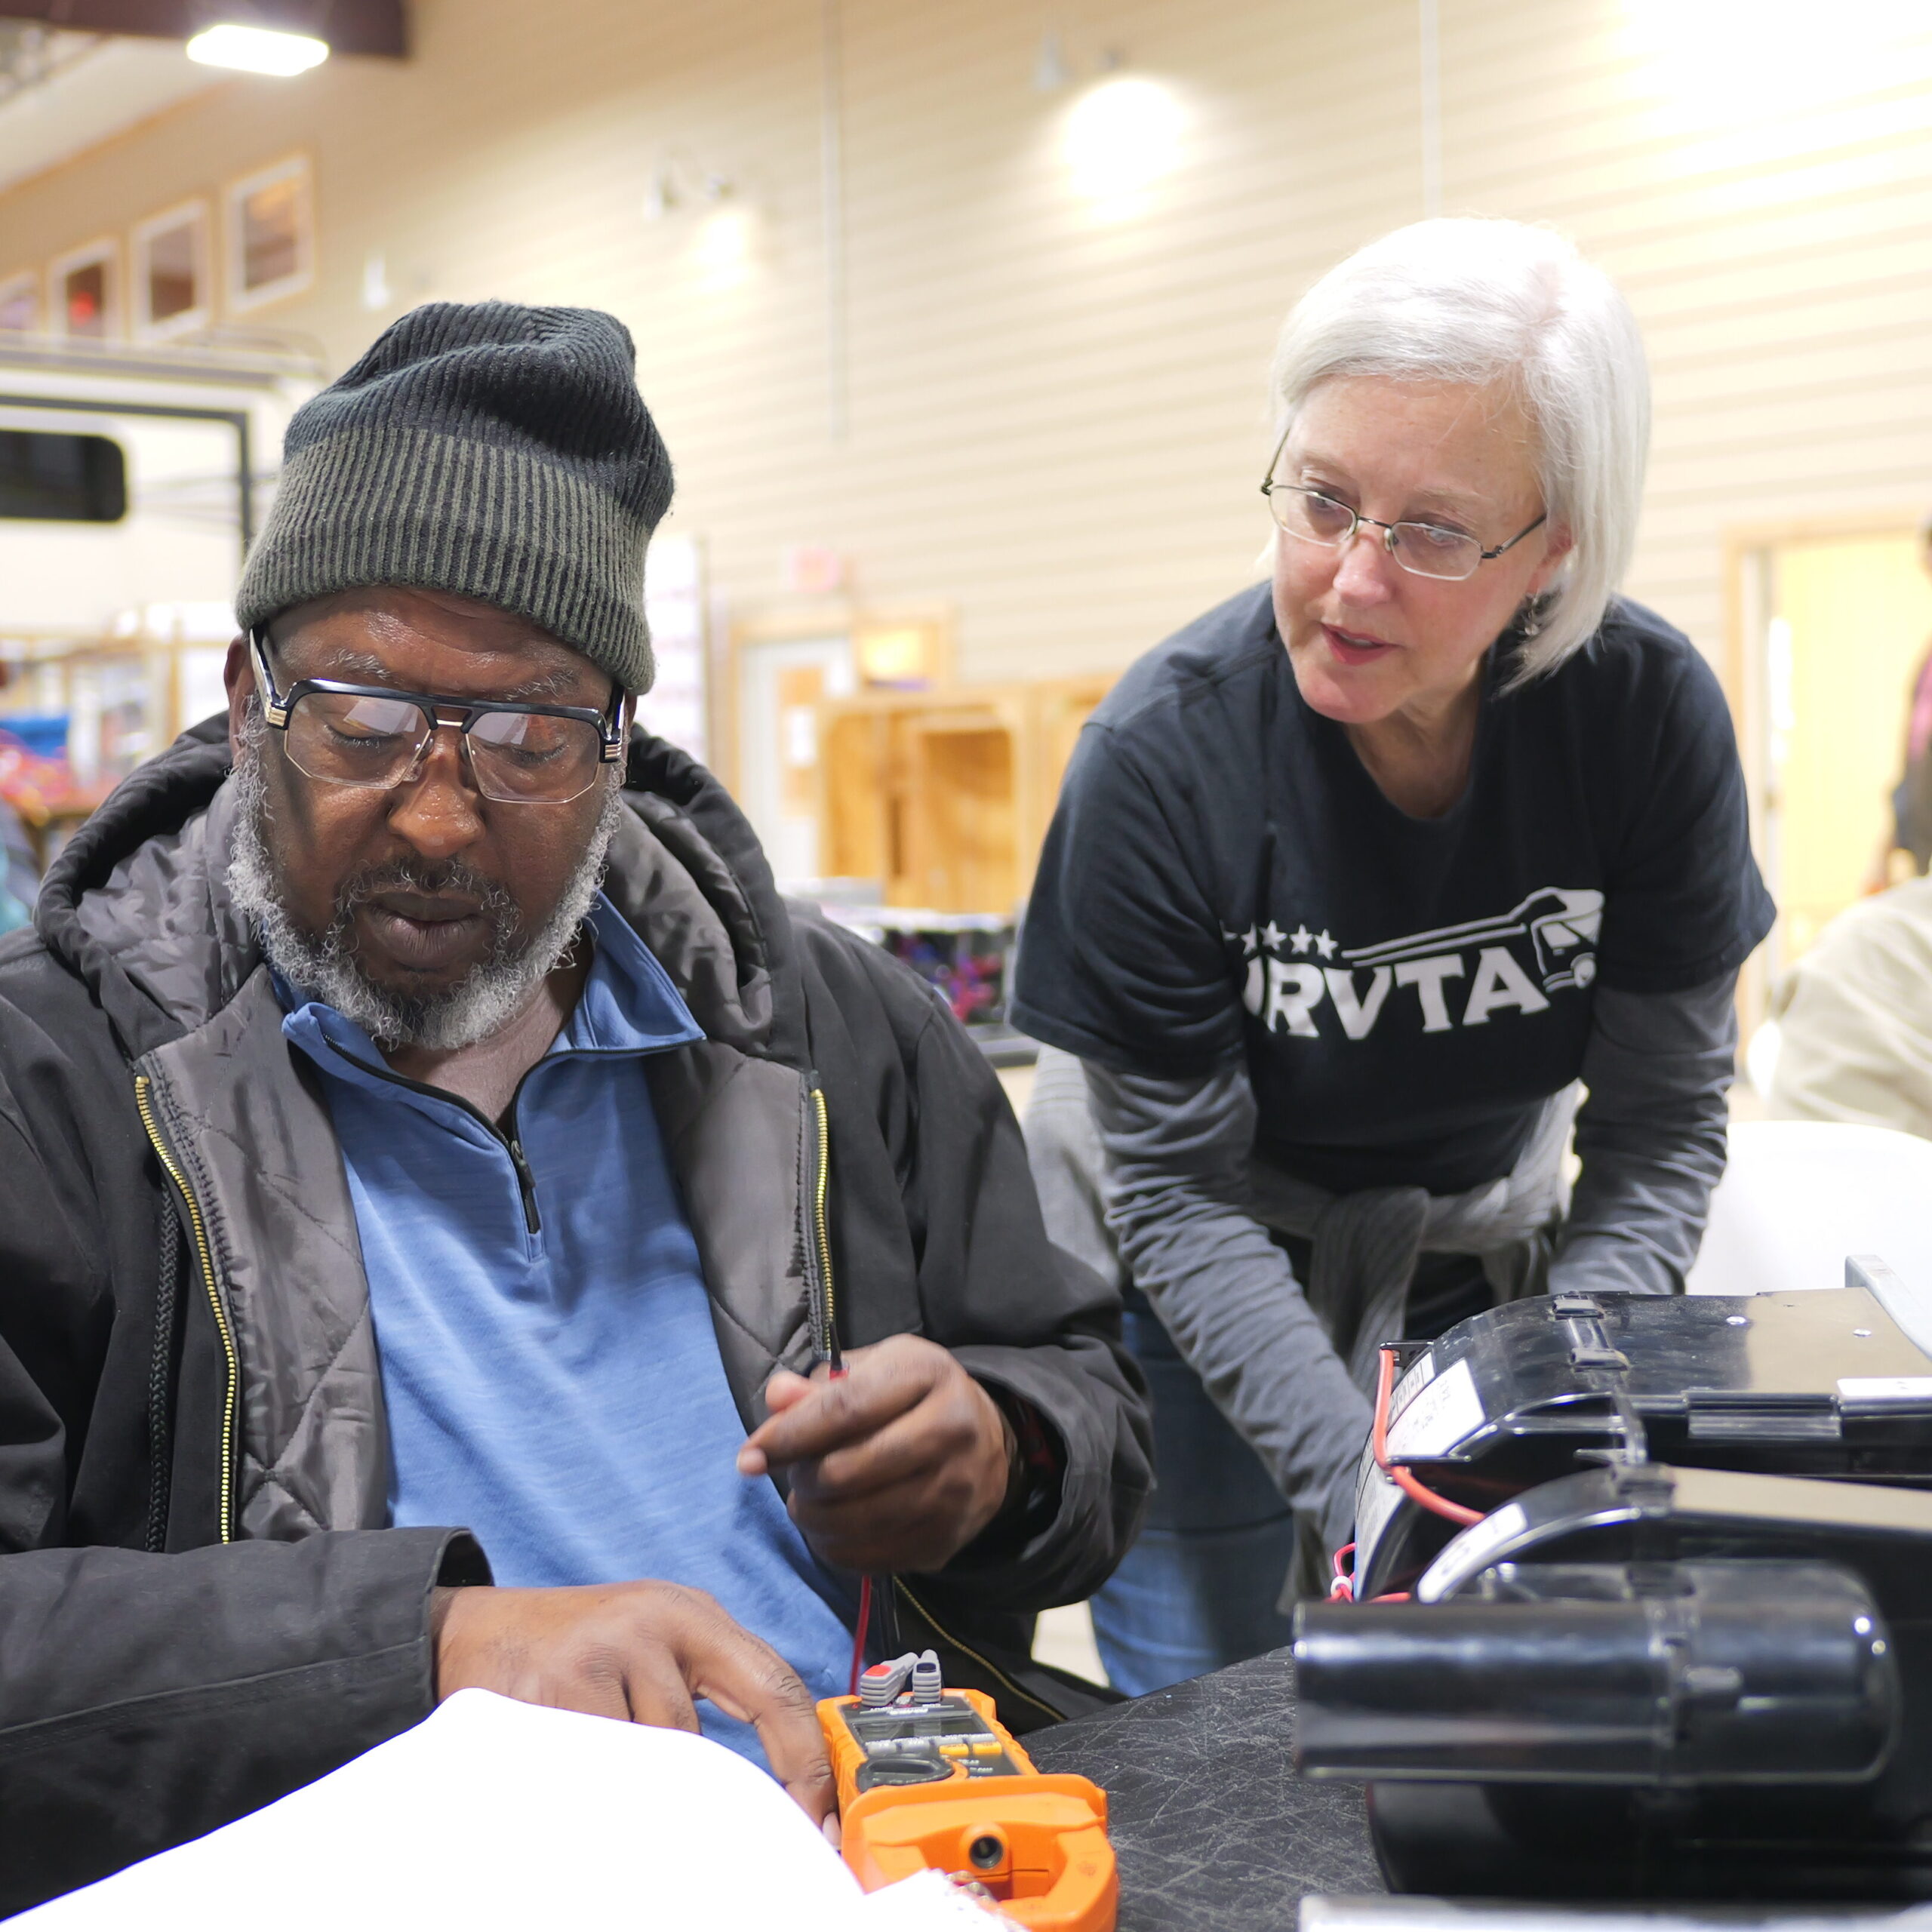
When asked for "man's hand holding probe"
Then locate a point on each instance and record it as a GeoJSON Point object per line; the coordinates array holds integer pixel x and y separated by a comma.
{"type": "Point", "coordinates": [898, 1465]}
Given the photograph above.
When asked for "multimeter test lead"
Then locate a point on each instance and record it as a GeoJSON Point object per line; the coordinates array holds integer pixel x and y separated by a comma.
{"type": "Point", "coordinates": [835, 1368]}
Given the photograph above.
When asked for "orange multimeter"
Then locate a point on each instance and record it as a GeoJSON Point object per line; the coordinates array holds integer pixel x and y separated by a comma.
{"type": "Point", "coordinates": [929, 1780]}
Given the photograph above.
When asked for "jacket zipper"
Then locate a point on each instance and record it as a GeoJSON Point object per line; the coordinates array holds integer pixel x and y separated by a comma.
{"type": "Point", "coordinates": [821, 1234]}
{"type": "Point", "coordinates": [144, 1105]}
{"type": "Point", "coordinates": [161, 1377]}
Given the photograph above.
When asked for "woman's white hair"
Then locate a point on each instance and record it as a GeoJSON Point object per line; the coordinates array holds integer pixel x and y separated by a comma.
{"type": "Point", "coordinates": [1468, 301]}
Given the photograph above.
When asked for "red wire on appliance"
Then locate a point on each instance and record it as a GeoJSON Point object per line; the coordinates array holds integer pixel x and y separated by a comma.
{"type": "Point", "coordinates": [1343, 1589]}
{"type": "Point", "coordinates": [1406, 1482]}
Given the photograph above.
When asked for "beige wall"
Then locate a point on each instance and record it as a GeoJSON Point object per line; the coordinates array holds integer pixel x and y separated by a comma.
{"type": "Point", "coordinates": [1055, 411]}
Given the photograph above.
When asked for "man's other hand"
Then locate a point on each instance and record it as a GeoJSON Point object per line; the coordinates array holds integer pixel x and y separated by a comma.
{"type": "Point", "coordinates": [896, 1465]}
{"type": "Point", "coordinates": [640, 1652]}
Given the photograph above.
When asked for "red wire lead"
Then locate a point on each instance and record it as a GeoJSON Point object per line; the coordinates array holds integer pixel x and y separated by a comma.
{"type": "Point", "coordinates": [859, 1635]}
{"type": "Point", "coordinates": [1402, 1478]}
{"type": "Point", "coordinates": [1343, 1589]}
{"type": "Point", "coordinates": [861, 1624]}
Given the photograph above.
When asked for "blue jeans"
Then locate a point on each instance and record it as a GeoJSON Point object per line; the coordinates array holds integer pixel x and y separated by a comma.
{"type": "Point", "coordinates": [1199, 1590]}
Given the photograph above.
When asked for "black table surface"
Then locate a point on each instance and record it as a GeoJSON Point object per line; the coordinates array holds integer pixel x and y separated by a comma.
{"type": "Point", "coordinates": [1212, 1827]}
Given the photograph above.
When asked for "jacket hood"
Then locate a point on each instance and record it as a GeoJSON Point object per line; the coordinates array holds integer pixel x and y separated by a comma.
{"type": "Point", "coordinates": [136, 904]}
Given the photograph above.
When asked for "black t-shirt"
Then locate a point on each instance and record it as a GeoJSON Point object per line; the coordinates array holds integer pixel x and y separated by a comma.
{"type": "Point", "coordinates": [1223, 877]}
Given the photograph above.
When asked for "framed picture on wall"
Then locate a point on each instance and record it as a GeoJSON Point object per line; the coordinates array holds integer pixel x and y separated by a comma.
{"type": "Point", "coordinates": [268, 231]}
{"type": "Point", "coordinates": [84, 284]}
{"type": "Point", "coordinates": [20, 302]}
{"type": "Point", "coordinates": [172, 272]}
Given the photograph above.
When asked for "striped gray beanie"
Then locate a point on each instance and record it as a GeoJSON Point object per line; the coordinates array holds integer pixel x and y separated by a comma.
{"type": "Point", "coordinates": [484, 448]}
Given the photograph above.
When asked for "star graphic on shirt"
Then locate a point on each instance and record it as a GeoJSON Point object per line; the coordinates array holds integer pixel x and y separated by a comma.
{"type": "Point", "coordinates": [1325, 943]}
{"type": "Point", "coordinates": [1245, 940]}
{"type": "Point", "coordinates": [1302, 939]}
{"type": "Point", "coordinates": [1249, 940]}
{"type": "Point", "coordinates": [1272, 936]}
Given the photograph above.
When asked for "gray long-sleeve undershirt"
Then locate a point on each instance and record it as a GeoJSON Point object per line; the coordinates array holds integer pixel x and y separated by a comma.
{"type": "Point", "coordinates": [1650, 1138]}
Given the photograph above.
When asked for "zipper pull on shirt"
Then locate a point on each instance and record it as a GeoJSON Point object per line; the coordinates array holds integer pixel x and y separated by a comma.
{"type": "Point", "coordinates": [526, 1182]}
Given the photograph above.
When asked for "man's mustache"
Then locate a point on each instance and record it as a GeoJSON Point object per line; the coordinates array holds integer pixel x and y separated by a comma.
{"type": "Point", "coordinates": [493, 898]}
{"type": "Point", "coordinates": [494, 905]}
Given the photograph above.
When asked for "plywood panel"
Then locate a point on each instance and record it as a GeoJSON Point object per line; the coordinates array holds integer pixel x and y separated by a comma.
{"type": "Point", "coordinates": [856, 827]}
{"type": "Point", "coordinates": [944, 797]}
{"type": "Point", "coordinates": [964, 857]}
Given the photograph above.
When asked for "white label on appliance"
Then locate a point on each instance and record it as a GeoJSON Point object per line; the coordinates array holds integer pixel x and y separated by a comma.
{"type": "Point", "coordinates": [1471, 1552]}
{"type": "Point", "coordinates": [1419, 1376]}
{"type": "Point", "coordinates": [1886, 1388]}
{"type": "Point", "coordinates": [1376, 1500]}
{"type": "Point", "coordinates": [1443, 1413]}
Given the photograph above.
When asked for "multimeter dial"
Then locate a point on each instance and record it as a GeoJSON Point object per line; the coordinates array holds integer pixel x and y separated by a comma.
{"type": "Point", "coordinates": [907, 1742]}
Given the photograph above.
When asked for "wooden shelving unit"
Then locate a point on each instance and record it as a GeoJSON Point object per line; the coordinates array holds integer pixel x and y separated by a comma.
{"type": "Point", "coordinates": [944, 796]}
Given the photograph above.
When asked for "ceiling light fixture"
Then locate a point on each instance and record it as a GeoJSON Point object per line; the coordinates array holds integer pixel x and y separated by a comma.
{"type": "Point", "coordinates": [1122, 136]}
{"type": "Point", "coordinates": [257, 50]}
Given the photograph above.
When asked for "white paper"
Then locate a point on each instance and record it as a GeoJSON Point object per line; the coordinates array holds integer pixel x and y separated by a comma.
{"type": "Point", "coordinates": [927, 1902]}
{"type": "Point", "coordinates": [1413, 1914]}
{"type": "Point", "coordinates": [1446, 1412]}
{"type": "Point", "coordinates": [1885, 1388]}
{"type": "Point", "coordinates": [499, 1816]}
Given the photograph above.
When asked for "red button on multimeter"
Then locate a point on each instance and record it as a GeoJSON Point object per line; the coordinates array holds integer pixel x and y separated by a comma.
{"type": "Point", "coordinates": [928, 1778]}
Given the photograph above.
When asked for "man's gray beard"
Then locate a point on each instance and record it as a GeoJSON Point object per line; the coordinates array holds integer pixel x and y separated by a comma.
{"type": "Point", "coordinates": [325, 965]}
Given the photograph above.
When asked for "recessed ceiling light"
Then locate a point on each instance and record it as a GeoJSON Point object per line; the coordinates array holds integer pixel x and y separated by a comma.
{"type": "Point", "coordinates": [1122, 137]}
{"type": "Point", "coordinates": [257, 50]}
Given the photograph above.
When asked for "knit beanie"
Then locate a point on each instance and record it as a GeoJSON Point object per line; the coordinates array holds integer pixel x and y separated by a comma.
{"type": "Point", "coordinates": [495, 451]}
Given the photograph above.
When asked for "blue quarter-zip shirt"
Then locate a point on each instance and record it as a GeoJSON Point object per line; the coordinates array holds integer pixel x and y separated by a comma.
{"type": "Point", "coordinates": [549, 1367]}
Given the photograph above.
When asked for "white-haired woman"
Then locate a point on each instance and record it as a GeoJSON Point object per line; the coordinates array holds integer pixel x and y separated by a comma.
{"type": "Point", "coordinates": [1356, 879]}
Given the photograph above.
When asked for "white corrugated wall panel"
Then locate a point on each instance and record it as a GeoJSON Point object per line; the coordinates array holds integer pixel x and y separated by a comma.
{"type": "Point", "coordinates": [1056, 421]}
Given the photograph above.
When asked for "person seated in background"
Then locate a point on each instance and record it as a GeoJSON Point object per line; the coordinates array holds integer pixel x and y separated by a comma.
{"type": "Point", "coordinates": [1854, 1018]}
{"type": "Point", "coordinates": [431, 1152]}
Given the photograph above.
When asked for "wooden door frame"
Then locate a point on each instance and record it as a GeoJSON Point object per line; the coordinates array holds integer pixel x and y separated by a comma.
{"type": "Point", "coordinates": [1738, 676]}
{"type": "Point", "coordinates": [1742, 540]}
{"type": "Point", "coordinates": [803, 620]}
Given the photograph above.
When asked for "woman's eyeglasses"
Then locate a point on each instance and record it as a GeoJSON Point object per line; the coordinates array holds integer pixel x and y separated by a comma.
{"type": "Point", "coordinates": [1423, 549]}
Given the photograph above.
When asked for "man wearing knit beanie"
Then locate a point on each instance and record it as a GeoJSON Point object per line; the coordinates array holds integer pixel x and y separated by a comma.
{"type": "Point", "coordinates": [440, 1134]}
{"type": "Point", "coordinates": [494, 451]}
